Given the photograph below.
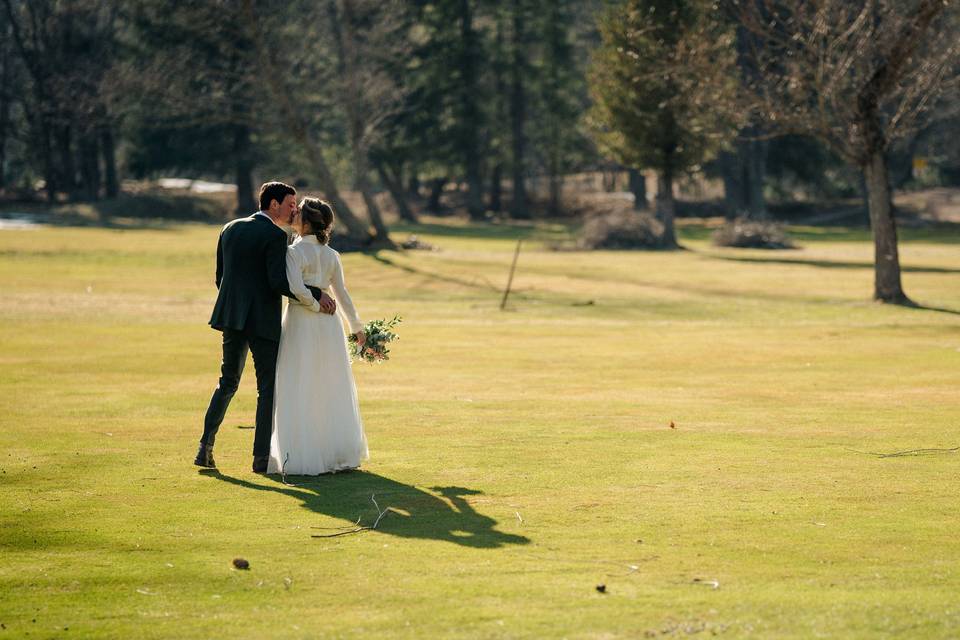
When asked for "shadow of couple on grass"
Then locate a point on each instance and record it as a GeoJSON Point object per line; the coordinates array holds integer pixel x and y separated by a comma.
{"type": "Point", "coordinates": [413, 512]}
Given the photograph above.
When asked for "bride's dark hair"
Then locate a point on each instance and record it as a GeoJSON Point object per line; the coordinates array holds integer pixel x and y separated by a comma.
{"type": "Point", "coordinates": [319, 214]}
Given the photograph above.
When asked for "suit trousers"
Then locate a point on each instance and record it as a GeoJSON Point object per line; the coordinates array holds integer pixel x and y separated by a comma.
{"type": "Point", "coordinates": [235, 347]}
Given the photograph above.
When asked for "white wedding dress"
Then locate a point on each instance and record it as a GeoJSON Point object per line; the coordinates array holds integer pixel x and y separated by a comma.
{"type": "Point", "coordinates": [316, 418]}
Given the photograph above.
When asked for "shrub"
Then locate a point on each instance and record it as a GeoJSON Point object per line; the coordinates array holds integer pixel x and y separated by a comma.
{"type": "Point", "coordinates": [752, 234]}
{"type": "Point", "coordinates": [621, 230]}
{"type": "Point", "coordinates": [413, 243]}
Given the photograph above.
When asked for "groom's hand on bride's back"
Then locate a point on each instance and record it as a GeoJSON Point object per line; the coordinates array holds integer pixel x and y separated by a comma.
{"type": "Point", "coordinates": [327, 304]}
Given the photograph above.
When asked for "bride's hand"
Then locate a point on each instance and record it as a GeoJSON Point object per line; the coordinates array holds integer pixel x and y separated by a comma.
{"type": "Point", "coordinates": [361, 338]}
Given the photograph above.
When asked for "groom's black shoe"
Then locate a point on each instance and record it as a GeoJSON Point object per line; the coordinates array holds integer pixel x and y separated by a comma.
{"type": "Point", "coordinates": [205, 457]}
{"type": "Point", "coordinates": [260, 464]}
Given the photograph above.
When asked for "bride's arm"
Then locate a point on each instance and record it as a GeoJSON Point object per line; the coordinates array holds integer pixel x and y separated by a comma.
{"type": "Point", "coordinates": [295, 264]}
{"type": "Point", "coordinates": [344, 303]}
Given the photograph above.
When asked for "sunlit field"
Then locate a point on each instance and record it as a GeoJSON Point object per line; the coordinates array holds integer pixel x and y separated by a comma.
{"type": "Point", "coordinates": [708, 434]}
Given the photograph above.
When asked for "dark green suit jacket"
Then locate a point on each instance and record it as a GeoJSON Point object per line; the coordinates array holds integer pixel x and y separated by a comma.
{"type": "Point", "coordinates": [251, 277]}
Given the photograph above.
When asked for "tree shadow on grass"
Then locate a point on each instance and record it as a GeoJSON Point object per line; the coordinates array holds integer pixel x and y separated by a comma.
{"type": "Point", "coordinates": [143, 211]}
{"type": "Point", "coordinates": [829, 264]}
{"type": "Point", "coordinates": [923, 307]}
{"type": "Point", "coordinates": [414, 513]}
{"type": "Point", "coordinates": [477, 282]}
{"type": "Point", "coordinates": [474, 230]}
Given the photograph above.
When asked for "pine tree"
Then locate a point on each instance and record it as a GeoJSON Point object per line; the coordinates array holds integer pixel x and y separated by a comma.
{"type": "Point", "coordinates": [663, 86]}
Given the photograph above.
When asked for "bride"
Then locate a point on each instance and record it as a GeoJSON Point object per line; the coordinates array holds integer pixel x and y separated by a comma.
{"type": "Point", "coordinates": [316, 419]}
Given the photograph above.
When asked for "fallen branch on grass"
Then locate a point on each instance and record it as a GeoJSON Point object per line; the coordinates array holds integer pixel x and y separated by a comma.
{"type": "Point", "coordinates": [909, 452]}
{"type": "Point", "coordinates": [356, 528]}
{"type": "Point", "coordinates": [513, 268]}
{"type": "Point", "coordinates": [349, 526]}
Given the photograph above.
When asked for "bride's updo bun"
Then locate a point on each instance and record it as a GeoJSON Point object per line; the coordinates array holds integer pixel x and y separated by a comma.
{"type": "Point", "coordinates": [319, 214]}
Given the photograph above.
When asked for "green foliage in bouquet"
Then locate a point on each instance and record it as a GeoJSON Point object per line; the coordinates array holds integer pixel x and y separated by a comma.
{"type": "Point", "coordinates": [379, 335]}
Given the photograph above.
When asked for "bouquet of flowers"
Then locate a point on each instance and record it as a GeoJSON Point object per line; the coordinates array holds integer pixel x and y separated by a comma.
{"type": "Point", "coordinates": [379, 335]}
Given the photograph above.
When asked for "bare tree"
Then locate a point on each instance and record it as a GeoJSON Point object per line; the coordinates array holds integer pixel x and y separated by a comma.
{"type": "Point", "coordinates": [856, 75]}
{"type": "Point", "coordinates": [291, 106]}
{"type": "Point", "coordinates": [339, 72]}
{"type": "Point", "coordinates": [368, 37]}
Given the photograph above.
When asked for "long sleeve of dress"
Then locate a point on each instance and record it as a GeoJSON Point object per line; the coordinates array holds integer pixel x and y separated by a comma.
{"type": "Point", "coordinates": [344, 303]}
{"type": "Point", "coordinates": [295, 263]}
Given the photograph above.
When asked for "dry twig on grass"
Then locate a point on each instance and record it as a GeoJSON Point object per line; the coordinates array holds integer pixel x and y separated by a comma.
{"type": "Point", "coordinates": [356, 528]}
{"type": "Point", "coordinates": [513, 268]}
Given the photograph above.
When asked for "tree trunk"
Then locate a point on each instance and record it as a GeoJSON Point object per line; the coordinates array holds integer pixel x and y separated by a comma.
{"type": "Point", "coordinates": [50, 174]}
{"type": "Point", "coordinates": [500, 109]}
{"type": "Point", "coordinates": [887, 286]}
{"type": "Point", "coordinates": [470, 113]}
{"type": "Point", "coordinates": [734, 200]}
{"type": "Point", "coordinates": [555, 57]}
{"type": "Point", "coordinates": [68, 167]}
{"type": "Point", "coordinates": [756, 173]}
{"type": "Point", "coordinates": [496, 188]}
{"type": "Point", "coordinates": [345, 37]}
{"type": "Point", "coordinates": [381, 235]}
{"type": "Point", "coordinates": [556, 192]}
{"type": "Point", "coordinates": [5, 98]}
{"type": "Point", "coordinates": [108, 148]}
{"type": "Point", "coordinates": [89, 153]}
{"type": "Point", "coordinates": [666, 208]}
{"type": "Point", "coordinates": [356, 228]}
{"type": "Point", "coordinates": [864, 213]}
{"type": "Point", "coordinates": [297, 129]}
{"type": "Point", "coordinates": [751, 150]}
{"type": "Point", "coordinates": [638, 186]}
{"type": "Point", "coordinates": [744, 172]}
{"type": "Point", "coordinates": [243, 165]}
{"type": "Point", "coordinates": [436, 190]}
{"type": "Point", "coordinates": [4, 120]}
{"type": "Point", "coordinates": [413, 183]}
{"type": "Point", "coordinates": [518, 105]}
{"type": "Point", "coordinates": [396, 192]}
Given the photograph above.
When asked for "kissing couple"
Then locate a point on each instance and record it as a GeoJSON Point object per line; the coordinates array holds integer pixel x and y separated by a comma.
{"type": "Point", "coordinates": [308, 419]}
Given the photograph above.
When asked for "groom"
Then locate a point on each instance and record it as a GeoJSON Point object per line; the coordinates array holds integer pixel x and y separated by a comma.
{"type": "Point", "coordinates": [251, 277]}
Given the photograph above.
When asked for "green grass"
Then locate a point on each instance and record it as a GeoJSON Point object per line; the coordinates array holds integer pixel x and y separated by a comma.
{"type": "Point", "coordinates": [527, 453]}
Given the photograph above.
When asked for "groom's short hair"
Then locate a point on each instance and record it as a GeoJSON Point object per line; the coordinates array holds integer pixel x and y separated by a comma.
{"type": "Point", "coordinates": [274, 191]}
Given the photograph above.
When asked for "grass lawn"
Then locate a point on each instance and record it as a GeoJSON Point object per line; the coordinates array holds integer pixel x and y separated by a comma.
{"type": "Point", "coordinates": [526, 454]}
